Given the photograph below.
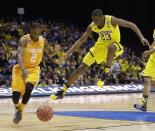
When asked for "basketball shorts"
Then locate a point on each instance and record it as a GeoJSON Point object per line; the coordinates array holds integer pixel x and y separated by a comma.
{"type": "Point", "coordinates": [98, 54]}
{"type": "Point", "coordinates": [18, 82]}
{"type": "Point", "coordinates": [150, 69]}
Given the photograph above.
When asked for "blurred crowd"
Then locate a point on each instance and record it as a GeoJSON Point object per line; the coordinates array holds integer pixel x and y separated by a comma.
{"type": "Point", "coordinates": [126, 68]}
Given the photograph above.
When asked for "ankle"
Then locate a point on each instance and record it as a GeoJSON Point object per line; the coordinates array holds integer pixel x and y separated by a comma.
{"type": "Point", "coordinates": [67, 85]}
{"type": "Point", "coordinates": [22, 106]}
{"type": "Point", "coordinates": [17, 106]}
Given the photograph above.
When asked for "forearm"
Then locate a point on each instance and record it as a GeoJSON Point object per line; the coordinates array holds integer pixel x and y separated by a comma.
{"type": "Point", "coordinates": [50, 54]}
{"type": "Point", "coordinates": [152, 50]}
{"type": "Point", "coordinates": [76, 46]}
{"type": "Point", "coordinates": [136, 30]}
{"type": "Point", "coordinates": [20, 62]}
{"type": "Point", "coordinates": [80, 41]}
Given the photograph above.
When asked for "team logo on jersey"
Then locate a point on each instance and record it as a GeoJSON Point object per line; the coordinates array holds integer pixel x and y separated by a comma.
{"type": "Point", "coordinates": [105, 32]}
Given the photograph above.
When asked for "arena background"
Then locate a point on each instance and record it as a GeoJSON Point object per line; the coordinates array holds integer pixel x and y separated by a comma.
{"type": "Point", "coordinates": [87, 107]}
{"type": "Point", "coordinates": [78, 13]}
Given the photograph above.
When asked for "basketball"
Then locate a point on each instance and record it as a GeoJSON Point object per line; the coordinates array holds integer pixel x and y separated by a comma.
{"type": "Point", "coordinates": [44, 113]}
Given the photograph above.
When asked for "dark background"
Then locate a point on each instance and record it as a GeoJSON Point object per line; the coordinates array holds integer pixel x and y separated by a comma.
{"type": "Point", "coordinates": [78, 12]}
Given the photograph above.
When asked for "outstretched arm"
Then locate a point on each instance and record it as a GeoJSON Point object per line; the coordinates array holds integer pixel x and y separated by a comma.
{"type": "Point", "coordinates": [132, 26]}
{"type": "Point", "coordinates": [80, 41]}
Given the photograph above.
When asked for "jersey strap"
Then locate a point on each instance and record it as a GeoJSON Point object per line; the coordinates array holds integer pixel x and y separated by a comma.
{"type": "Point", "coordinates": [108, 20]}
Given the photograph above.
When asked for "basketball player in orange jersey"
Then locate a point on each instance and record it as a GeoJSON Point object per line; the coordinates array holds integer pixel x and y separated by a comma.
{"type": "Point", "coordinates": [25, 74]}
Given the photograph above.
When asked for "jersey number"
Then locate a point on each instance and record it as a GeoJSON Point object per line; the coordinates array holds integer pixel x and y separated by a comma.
{"type": "Point", "coordinates": [33, 57]}
{"type": "Point", "coordinates": [105, 36]}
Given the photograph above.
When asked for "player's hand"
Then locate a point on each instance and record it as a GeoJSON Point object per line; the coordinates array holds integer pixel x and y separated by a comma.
{"type": "Point", "coordinates": [151, 46]}
{"type": "Point", "coordinates": [65, 56]}
{"type": "Point", "coordinates": [57, 48]}
{"type": "Point", "coordinates": [24, 73]}
{"type": "Point", "coordinates": [145, 42]}
{"type": "Point", "coordinates": [146, 54]}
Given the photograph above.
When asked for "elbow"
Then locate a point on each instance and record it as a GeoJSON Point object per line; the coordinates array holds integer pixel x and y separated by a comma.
{"type": "Point", "coordinates": [132, 25]}
{"type": "Point", "coordinates": [18, 57]}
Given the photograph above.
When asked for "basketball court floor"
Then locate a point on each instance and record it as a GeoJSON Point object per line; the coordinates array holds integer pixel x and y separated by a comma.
{"type": "Point", "coordinates": [113, 112]}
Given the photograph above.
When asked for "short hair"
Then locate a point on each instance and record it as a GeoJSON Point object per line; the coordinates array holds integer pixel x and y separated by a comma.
{"type": "Point", "coordinates": [35, 25]}
{"type": "Point", "coordinates": [97, 12]}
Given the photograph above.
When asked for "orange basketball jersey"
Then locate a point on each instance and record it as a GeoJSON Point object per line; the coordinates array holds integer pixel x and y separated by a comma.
{"type": "Point", "coordinates": [33, 51]}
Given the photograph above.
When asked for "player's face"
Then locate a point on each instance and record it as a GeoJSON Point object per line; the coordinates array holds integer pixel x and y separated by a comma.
{"type": "Point", "coordinates": [35, 33]}
{"type": "Point", "coordinates": [98, 20]}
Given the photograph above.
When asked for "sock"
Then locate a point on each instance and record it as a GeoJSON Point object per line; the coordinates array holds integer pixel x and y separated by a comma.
{"type": "Point", "coordinates": [66, 86]}
{"type": "Point", "coordinates": [17, 106]}
{"type": "Point", "coordinates": [144, 101]}
{"type": "Point", "coordinates": [22, 106]}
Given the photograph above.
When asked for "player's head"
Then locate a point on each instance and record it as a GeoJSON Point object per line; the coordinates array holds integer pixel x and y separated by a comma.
{"type": "Point", "coordinates": [35, 30]}
{"type": "Point", "coordinates": [97, 16]}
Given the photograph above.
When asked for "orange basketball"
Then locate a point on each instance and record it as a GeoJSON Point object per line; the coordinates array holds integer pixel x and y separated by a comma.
{"type": "Point", "coordinates": [45, 113]}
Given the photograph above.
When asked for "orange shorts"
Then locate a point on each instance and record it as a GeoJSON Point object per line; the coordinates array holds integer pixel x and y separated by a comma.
{"type": "Point", "coordinates": [18, 82]}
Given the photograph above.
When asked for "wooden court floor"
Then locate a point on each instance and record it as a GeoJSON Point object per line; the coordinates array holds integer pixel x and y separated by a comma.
{"type": "Point", "coordinates": [117, 102]}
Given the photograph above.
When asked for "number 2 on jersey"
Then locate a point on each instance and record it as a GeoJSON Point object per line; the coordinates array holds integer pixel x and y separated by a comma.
{"type": "Point", "coordinates": [33, 57]}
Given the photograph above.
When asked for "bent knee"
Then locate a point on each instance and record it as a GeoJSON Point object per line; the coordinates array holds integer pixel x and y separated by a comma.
{"type": "Point", "coordinates": [112, 47]}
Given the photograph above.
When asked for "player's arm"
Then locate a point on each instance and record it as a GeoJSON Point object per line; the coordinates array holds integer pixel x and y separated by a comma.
{"type": "Point", "coordinates": [124, 23]}
{"type": "Point", "coordinates": [153, 44]}
{"type": "Point", "coordinates": [80, 41]}
{"type": "Point", "coordinates": [21, 47]}
{"type": "Point", "coordinates": [151, 50]}
{"type": "Point", "coordinates": [148, 52]}
{"type": "Point", "coordinates": [49, 50]}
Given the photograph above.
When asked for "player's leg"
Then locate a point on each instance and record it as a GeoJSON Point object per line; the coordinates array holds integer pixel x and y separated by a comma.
{"type": "Point", "coordinates": [61, 92]}
{"type": "Point", "coordinates": [113, 51]}
{"type": "Point", "coordinates": [18, 86]}
{"type": "Point", "coordinates": [20, 106]}
{"type": "Point", "coordinates": [87, 62]}
{"type": "Point", "coordinates": [18, 112]}
{"type": "Point", "coordinates": [28, 90]}
{"type": "Point", "coordinates": [110, 54]}
{"type": "Point", "coordinates": [31, 82]}
{"type": "Point", "coordinates": [15, 98]}
{"type": "Point", "coordinates": [148, 74]}
{"type": "Point", "coordinates": [146, 92]}
{"type": "Point", "coordinates": [74, 76]}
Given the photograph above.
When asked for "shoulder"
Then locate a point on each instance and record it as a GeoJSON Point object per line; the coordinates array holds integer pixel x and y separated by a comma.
{"type": "Point", "coordinates": [108, 17]}
{"type": "Point", "coordinates": [23, 40]}
{"type": "Point", "coordinates": [92, 26]}
{"type": "Point", "coordinates": [44, 40]}
{"type": "Point", "coordinates": [108, 20]}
